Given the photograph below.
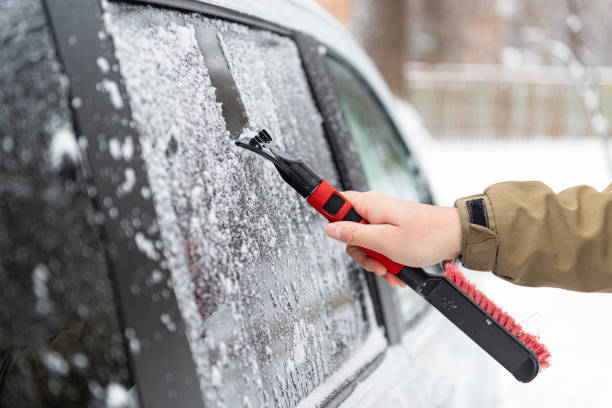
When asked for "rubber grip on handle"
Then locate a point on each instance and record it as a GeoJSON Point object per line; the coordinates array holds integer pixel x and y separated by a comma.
{"type": "Point", "coordinates": [335, 207]}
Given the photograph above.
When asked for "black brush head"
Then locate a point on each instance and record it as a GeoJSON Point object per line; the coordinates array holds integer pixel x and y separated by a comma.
{"type": "Point", "coordinates": [293, 170]}
{"type": "Point", "coordinates": [262, 137]}
{"type": "Point", "coordinates": [258, 142]}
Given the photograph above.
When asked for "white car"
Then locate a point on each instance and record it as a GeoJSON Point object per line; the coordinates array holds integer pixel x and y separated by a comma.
{"type": "Point", "coordinates": [142, 250]}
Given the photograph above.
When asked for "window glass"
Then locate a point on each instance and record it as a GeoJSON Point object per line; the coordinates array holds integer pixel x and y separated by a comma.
{"type": "Point", "coordinates": [273, 307]}
{"type": "Point", "coordinates": [60, 343]}
{"type": "Point", "coordinates": [386, 161]}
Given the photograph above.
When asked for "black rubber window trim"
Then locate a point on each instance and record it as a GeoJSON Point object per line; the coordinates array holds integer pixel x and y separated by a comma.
{"type": "Point", "coordinates": [212, 10]}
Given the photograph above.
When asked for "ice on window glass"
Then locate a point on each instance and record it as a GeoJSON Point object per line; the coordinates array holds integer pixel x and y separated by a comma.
{"type": "Point", "coordinates": [273, 307]}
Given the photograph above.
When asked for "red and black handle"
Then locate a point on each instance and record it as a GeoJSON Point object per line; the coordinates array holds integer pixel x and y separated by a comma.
{"type": "Point", "coordinates": [441, 293]}
{"type": "Point", "coordinates": [335, 207]}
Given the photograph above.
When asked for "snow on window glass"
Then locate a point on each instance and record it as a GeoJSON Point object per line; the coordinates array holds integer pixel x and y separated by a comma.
{"type": "Point", "coordinates": [60, 343]}
{"type": "Point", "coordinates": [273, 307]}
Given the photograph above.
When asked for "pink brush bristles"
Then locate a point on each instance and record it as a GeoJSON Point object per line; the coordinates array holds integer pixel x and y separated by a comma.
{"type": "Point", "coordinates": [454, 274]}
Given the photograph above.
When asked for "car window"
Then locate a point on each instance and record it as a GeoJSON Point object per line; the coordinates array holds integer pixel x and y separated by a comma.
{"type": "Point", "coordinates": [273, 307]}
{"type": "Point", "coordinates": [387, 163]}
{"type": "Point", "coordinates": [60, 343]}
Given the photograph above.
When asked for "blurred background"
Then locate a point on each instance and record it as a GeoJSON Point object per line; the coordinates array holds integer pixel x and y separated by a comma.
{"type": "Point", "coordinates": [509, 90]}
{"type": "Point", "coordinates": [492, 69]}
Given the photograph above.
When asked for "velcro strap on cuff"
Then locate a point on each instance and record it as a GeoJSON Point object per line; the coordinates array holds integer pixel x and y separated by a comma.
{"type": "Point", "coordinates": [478, 237]}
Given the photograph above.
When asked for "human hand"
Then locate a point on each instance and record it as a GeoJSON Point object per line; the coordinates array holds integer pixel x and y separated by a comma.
{"type": "Point", "coordinates": [408, 233]}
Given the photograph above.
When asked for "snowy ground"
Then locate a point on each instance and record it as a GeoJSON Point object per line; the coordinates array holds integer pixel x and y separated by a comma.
{"type": "Point", "coordinates": [575, 326]}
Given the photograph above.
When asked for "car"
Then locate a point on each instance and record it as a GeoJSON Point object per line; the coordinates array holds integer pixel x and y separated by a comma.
{"type": "Point", "coordinates": [148, 261]}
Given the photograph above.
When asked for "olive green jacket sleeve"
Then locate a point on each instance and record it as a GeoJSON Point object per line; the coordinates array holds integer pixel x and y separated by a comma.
{"type": "Point", "coordinates": [528, 235]}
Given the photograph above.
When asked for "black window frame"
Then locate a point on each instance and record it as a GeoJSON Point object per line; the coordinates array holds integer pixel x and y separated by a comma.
{"type": "Point", "coordinates": [83, 20]}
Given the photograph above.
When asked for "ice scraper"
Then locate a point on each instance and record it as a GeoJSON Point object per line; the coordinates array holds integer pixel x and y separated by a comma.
{"type": "Point", "coordinates": [497, 333]}
{"type": "Point", "coordinates": [456, 298]}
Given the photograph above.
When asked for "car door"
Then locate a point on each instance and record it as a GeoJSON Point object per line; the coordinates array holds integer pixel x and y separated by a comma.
{"type": "Point", "coordinates": [273, 309]}
{"type": "Point", "coordinates": [429, 351]}
{"type": "Point", "coordinates": [387, 162]}
{"type": "Point", "coordinates": [390, 168]}
{"type": "Point", "coordinates": [227, 291]}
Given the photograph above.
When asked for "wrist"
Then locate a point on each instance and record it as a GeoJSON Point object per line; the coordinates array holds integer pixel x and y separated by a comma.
{"type": "Point", "coordinates": [453, 233]}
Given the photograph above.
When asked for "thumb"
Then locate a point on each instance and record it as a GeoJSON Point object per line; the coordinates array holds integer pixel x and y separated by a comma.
{"type": "Point", "coordinates": [376, 237]}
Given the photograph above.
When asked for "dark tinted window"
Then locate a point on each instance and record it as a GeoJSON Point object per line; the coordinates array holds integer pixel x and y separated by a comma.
{"type": "Point", "coordinates": [273, 307]}
{"type": "Point", "coordinates": [387, 163]}
{"type": "Point", "coordinates": [59, 338]}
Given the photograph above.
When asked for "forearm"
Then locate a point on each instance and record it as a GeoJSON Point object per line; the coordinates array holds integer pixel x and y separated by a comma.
{"type": "Point", "coordinates": [534, 237]}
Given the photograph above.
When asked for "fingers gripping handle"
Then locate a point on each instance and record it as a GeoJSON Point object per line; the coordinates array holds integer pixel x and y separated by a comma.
{"type": "Point", "coordinates": [335, 207]}
{"type": "Point", "coordinates": [463, 311]}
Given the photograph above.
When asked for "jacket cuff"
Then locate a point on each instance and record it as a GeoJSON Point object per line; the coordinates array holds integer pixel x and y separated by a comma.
{"type": "Point", "coordinates": [478, 234]}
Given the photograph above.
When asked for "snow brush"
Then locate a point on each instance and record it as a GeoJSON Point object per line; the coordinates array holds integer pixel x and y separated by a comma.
{"type": "Point", "coordinates": [452, 294]}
